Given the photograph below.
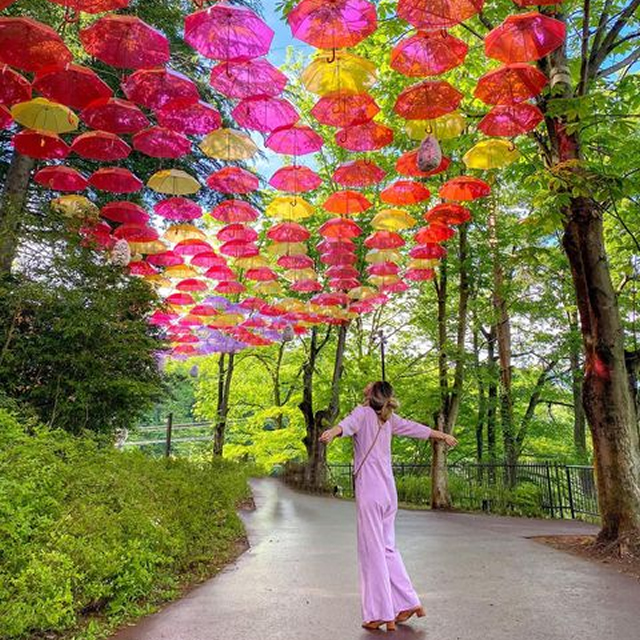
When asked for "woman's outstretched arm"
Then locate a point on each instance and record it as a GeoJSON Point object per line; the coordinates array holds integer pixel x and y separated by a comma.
{"type": "Point", "coordinates": [404, 427]}
{"type": "Point", "coordinates": [347, 427]}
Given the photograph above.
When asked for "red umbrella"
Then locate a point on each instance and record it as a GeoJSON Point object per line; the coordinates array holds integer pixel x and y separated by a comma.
{"type": "Point", "coordinates": [524, 37]}
{"type": "Point", "coordinates": [100, 145]}
{"type": "Point", "coordinates": [427, 100]}
{"type": "Point", "coordinates": [234, 211]}
{"type": "Point", "coordinates": [191, 118]}
{"type": "Point", "coordinates": [434, 233]}
{"type": "Point", "coordinates": [428, 252]}
{"type": "Point", "coordinates": [191, 284]}
{"type": "Point", "coordinates": [358, 173]}
{"type": "Point", "coordinates": [248, 78]}
{"type": "Point", "coordinates": [295, 262]}
{"type": "Point", "coordinates": [342, 272]}
{"type": "Point", "coordinates": [127, 212]}
{"type": "Point", "coordinates": [71, 85]}
{"type": "Point", "coordinates": [5, 118]}
{"type": "Point", "coordinates": [344, 109]}
{"type": "Point", "coordinates": [159, 142]}
{"type": "Point", "coordinates": [93, 6]}
{"type": "Point", "coordinates": [237, 231]}
{"type": "Point", "coordinates": [511, 120]}
{"type": "Point", "coordinates": [418, 275]}
{"type": "Point", "coordinates": [383, 269]}
{"type": "Point", "coordinates": [239, 249]}
{"type": "Point", "coordinates": [115, 180]}
{"type": "Point", "coordinates": [340, 228]}
{"type": "Point", "coordinates": [331, 299]}
{"type": "Point", "coordinates": [229, 287]}
{"type": "Point", "coordinates": [510, 84]}
{"type": "Point", "coordinates": [338, 258]}
{"type": "Point", "coordinates": [384, 240]}
{"type": "Point", "coordinates": [261, 274]}
{"type": "Point", "coordinates": [448, 214]}
{"type": "Point", "coordinates": [288, 232]}
{"type": "Point", "coordinates": [180, 300]}
{"type": "Point", "coordinates": [405, 192]}
{"type": "Point", "coordinates": [153, 88]}
{"type": "Point", "coordinates": [177, 208]}
{"type": "Point", "coordinates": [330, 243]}
{"type": "Point", "coordinates": [464, 188]}
{"type": "Point", "coordinates": [61, 178]}
{"type": "Point", "coordinates": [14, 88]}
{"type": "Point", "coordinates": [340, 284]}
{"type": "Point", "coordinates": [125, 42]}
{"type": "Point", "coordinates": [114, 115]}
{"type": "Point", "coordinates": [192, 247]}
{"type": "Point", "coordinates": [6, 3]}
{"type": "Point", "coordinates": [428, 53]}
{"type": "Point", "coordinates": [306, 286]}
{"type": "Point", "coordinates": [30, 45]}
{"type": "Point", "coordinates": [208, 259]}
{"type": "Point", "coordinates": [407, 165]}
{"type": "Point", "coordinates": [233, 180]}
{"type": "Point", "coordinates": [347, 203]}
{"type": "Point", "coordinates": [41, 145]}
{"type": "Point", "coordinates": [437, 14]}
{"type": "Point", "coordinates": [295, 179]}
{"type": "Point", "coordinates": [364, 137]}
{"type": "Point", "coordinates": [265, 113]}
{"type": "Point", "coordinates": [294, 141]}
{"type": "Point", "coordinates": [136, 233]}
{"type": "Point", "coordinates": [141, 268]}
{"type": "Point", "coordinates": [219, 272]}
{"type": "Point", "coordinates": [97, 235]}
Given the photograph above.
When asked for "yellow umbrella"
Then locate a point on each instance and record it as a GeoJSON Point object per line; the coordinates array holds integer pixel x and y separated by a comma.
{"type": "Point", "coordinates": [228, 144]}
{"type": "Point", "coordinates": [225, 320]}
{"type": "Point", "coordinates": [392, 220]}
{"type": "Point", "coordinates": [446, 127]}
{"type": "Point", "coordinates": [289, 208]}
{"type": "Point", "coordinates": [293, 275]}
{"type": "Point", "coordinates": [174, 182]}
{"type": "Point", "coordinates": [180, 232]}
{"type": "Point", "coordinates": [379, 281]}
{"type": "Point", "coordinates": [491, 154]}
{"type": "Point", "coordinates": [375, 256]}
{"type": "Point", "coordinates": [251, 262]}
{"type": "Point", "coordinates": [150, 248]}
{"type": "Point", "coordinates": [287, 249]}
{"type": "Point", "coordinates": [361, 293]}
{"type": "Point", "coordinates": [158, 281]}
{"type": "Point", "coordinates": [292, 305]}
{"type": "Point", "coordinates": [181, 271]}
{"type": "Point", "coordinates": [74, 206]}
{"type": "Point", "coordinates": [270, 287]}
{"type": "Point", "coordinates": [423, 264]}
{"type": "Point", "coordinates": [338, 71]}
{"type": "Point", "coordinates": [43, 115]}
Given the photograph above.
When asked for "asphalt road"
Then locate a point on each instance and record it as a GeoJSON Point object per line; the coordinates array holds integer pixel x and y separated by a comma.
{"type": "Point", "coordinates": [479, 578]}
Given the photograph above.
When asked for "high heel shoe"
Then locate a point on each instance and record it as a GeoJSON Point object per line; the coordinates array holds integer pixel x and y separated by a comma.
{"type": "Point", "coordinates": [377, 624]}
{"type": "Point", "coordinates": [403, 616]}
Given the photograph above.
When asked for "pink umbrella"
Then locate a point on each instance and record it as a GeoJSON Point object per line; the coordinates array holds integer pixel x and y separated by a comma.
{"type": "Point", "coordinates": [41, 145]}
{"type": "Point", "coordinates": [186, 116]}
{"type": "Point", "coordinates": [288, 232]}
{"type": "Point", "coordinates": [428, 252]}
{"type": "Point", "coordinates": [153, 88]}
{"type": "Point", "coordinates": [428, 53]}
{"type": "Point", "coordinates": [248, 78]}
{"type": "Point", "coordinates": [342, 272]}
{"type": "Point", "coordinates": [359, 173]}
{"type": "Point", "coordinates": [135, 233]}
{"type": "Point", "coordinates": [419, 275]}
{"type": "Point", "coordinates": [261, 274]}
{"type": "Point", "coordinates": [427, 100]}
{"type": "Point", "coordinates": [237, 231]}
{"type": "Point", "coordinates": [295, 179]}
{"type": "Point", "coordinates": [223, 32]}
{"type": "Point", "coordinates": [208, 259]}
{"type": "Point", "coordinates": [239, 249]}
{"type": "Point", "coordinates": [364, 137]}
{"type": "Point", "coordinates": [265, 113]}
{"type": "Point", "coordinates": [300, 261]}
{"type": "Point", "coordinates": [159, 142]}
{"type": "Point", "coordinates": [114, 115]}
{"type": "Point", "coordinates": [511, 120]}
{"type": "Point", "coordinates": [219, 272]}
{"type": "Point", "coordinates": [100, 145]}
{"type": "Point", "coordinates": [61, 178]}
{"type": "Point", "coordinates": [233, 180]}
{"type": "Point", "coordinates": [333, 242]}
{"type": "Point", "coordinates": [123, 211]}
{"type": "Point", "coordinates": [181, 209]}
{"type": "Point", "coordinates": [71, 85]}
{"type": "Point", "coordinates": [230, 287]}
{"type": "Point", "coordinates": [234, 211]}
{"type": "Point", "coordinates": [294, 141]}
{"type": "Point", "coordinates": [344, 109]}
{"type": "Point", "coordinates": [306, 286]}
{"type": "Point", "coordinates": [115, 180]}
{"type": "Point", "coordinates": [192, 247]}
{"type": "Point", "coordinates": [384, 240]}
{"type": "Point", "coordinates": [141, 268]}
{"type": "Point", "coordinates": [14, 88]}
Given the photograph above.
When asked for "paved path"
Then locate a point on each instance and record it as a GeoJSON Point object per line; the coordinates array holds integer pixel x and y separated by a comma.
{"type": "Point", "coordinates": [479, 577]}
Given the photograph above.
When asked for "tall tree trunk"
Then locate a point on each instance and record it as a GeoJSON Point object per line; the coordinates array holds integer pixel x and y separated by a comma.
{"type": "Point", "coordinates": [277, 395]}
{"type": "Point", "coordinates": [492, 401]}
{"type": "Point", "coordinates": [482, 397]}
{"type": "Point", "coordinates": [224, 392]}
{"type": "Point", "coordinates": [579, 419]}
{"type": "Point", "coordinates": [12, 201]}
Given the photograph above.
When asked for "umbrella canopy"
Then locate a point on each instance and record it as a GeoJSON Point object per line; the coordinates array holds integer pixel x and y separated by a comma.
{"type": "Point", "coordinates": [189, 247]}
{"type": "Point", "coordinates": [100, 145]}
{"type": "Point", "coordinates": [239, 249]}
{"type": "Point", "coordinates": [43, 115]}
{"type": "Point", "coordinates": [338, 71]}
{"type": "Point", "coordinates": [384, 240]}
{"type": "Point", "coordinates": [428, 53]}
{"type": "Point", "coordinates": [61, 178]}
{"type": "Point", "coordinates": [296, 179]}
{"type": "Point", "coordinates": [490, 154]}
{"type": "Point", "coordinates": [332, 25]}
{"type": "Point", "coordinates": [358, 173]}
{"type": "Point", "coordinates": [265, 113]}
{"type": "Point", "coordinates": [509, 120]}
{"type": "Point", "coordinates": [464, 188]}
{"type": "Point", "coordinates": [136, 233]}
{"type": "Point", "coordinates": [114, 115]}
{"type": "Point", "coordinates": [159, 142]}
{"type": "Point", "coordinates": [289, 208]}
{"type": "Point", "coordinates": [448, 214]}
{"type": "Point", "coordinates": [340, 228]}
{"type": "Point", "coordinates": [125, 42]}
{"type": "Point", "coordinates": [344, 109]}
{"type": "Point", "coordinates": [524, 37]}
{"type": "Point", "coordinates": [179, 209]}
{"type": "Point", "coordinates": [41, 145]}
{"type": "Point", "coordinates": [30, 45]}
{"type": "Point", "coordinates": [181, 232]}
{"type": "Point", "coordinates": [126, 212]}
{"type": "Point", "coordinates": [428, 252]}
{"type": "Point", "coordinates": [189, 117]}
{"type": "Point", "coordinates": [174, 182]}
{"type": "Point", "coordinates": [392, 220]}
{"type": "Point", "coordinates": [78, 207]}
{"type": "Point", "coordinates": [288, 232]}
{"type": "Point", "coordinates": [234, 211]}
{"type": "Point", "coordinates": [233, 180]}
{"type": "Point", "coordinates": [208, 259]}
{"type": "Point", "coordinates": [294, 141]}
{"type": "Point", "coordinates": [153, 88]}
{"type": "Point", "coordinates": [427, 100]}
{"type": "Point", "coordinates": [347, 203]}
{"type": "Point", "coordinates": [228, 144]}
{"type": "Point", "coordinates": [243, 79]}
{"type": "Point", "coordinates": [437, 14]}
{"type": "Point", "coordinates": [510, 84]}
{"type": "Point", "coordinates": [115, 180]}
{"type": "Point", "coordinates": [407, 165]}
{"type": "Point", "coordinates": [13, 87]}
{"type": "Point", "coordinates": [71, 85]}
{"type": "Point", "coordinates": [420, 275]}
{"type": "Point", "coordinates": [369, 136]}
{"type": "Point", "coordinates": [434, 233]}
{"type": "Point", "coordinates": [237, 231]}
{"type": "Point", "coordinates": [404, 193]}
{"type": "Point", "coordinates": [446, 127]}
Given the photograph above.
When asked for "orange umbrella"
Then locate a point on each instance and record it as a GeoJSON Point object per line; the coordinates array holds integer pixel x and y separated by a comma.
{"type": "Point", "coordinates": [447, 214]}
{"type": "Point", "coordinates": [364, 137]}
{"type": "Point", "coordinates": [434, 233]}
{"type": "Point", "coordinates": [346, 203]}
{"type": "Point", "coordinates": [407, 165]}
{"type": "Point", "coordinates": [464, 188]}
{"type": "Point", "coordinates": [405, 192]}
{"type": "Point", "coordinates": [427, 100]}
{"type": "Point", "coordinates": [437, 14]}
{"type": "Point", "coordinates": [358, 173]}
{"type": "Point", "coordinates": [510, 84]}
{"type": "Point", "coordinates": [344, 109]}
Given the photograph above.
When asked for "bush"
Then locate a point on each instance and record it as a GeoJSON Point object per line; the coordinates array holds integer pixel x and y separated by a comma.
{"type": "Point", "coordinates": [85, 528]}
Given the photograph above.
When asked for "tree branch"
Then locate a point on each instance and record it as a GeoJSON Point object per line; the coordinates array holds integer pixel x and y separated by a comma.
{"type": "Point", "coordinates": [625, 62]}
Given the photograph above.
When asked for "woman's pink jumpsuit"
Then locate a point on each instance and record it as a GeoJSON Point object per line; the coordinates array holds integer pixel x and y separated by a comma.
{"type": "Point", "coordinates": [385, 587]}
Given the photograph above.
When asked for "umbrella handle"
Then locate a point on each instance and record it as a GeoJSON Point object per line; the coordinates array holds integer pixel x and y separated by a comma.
{"type": "Point", "coordinates": [332, 58]}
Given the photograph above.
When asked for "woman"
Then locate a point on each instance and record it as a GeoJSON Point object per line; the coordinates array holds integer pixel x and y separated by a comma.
{"type": "Point", "coordinates": [387, 595]}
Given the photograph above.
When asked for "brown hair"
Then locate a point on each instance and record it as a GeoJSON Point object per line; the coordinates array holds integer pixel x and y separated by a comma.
{"type": "Point", "coordinates": [379, 396]}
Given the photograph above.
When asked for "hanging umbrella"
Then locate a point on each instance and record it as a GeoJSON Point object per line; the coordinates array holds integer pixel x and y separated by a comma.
{"type": "Point", "coordinates": [294, 141]}
{"type": "Point", "coordinates": [261, 274]}
{"type": "Point", "coordinates": [136, 233]}
{"type": "Point", "coordinates": [464, 188]}
{"type": "Point", "coordinates": [286, 248]}
{"type": "Point", "coordinates": [153, 88]}
{"type": "Point", "coordinates": [243, 79]}
{"type": "Point", "coordinates": [189, 117]}
{"type": "Point", "coordinates": [384, 240]}
{"type": "Point", "coordinates": [180, 270]}
{"type": "Point", "coordinates": [174, 182]}
{"type": "Point", "coordinates": [338, 256]}
{"type": "Point", "coordinates": [490, 154]}
{"type": "Point", "coordinates": [265, 113]}
{"type": "Point", "coordinates": [288, 232]}
{"type": "Point", "coordinates": [383, 269]}
{"type": "Point", "coordinates": [208, 259]}
{"type": "Point", "coordinates": [427, 100]}
{"type": "Point", "coordinates": [41, 145]}
{"type": "Point", "coordinates": [6, 121]}
{"type": "Point", "coordinates": [404, 193]}
{"type": "Point", "coordinates": [233, 180]}
{"type": "Point", "coordinates": [524, 37]}
{"type": "Point", "coordinates": [234, 211]}
{"type": "Point", "coordinates": [437, 14]}
{"type": "Point", "coordinates": [96, 235]}
{"type": "Point", "coordinates": [141, 268]}
{"type": "Point", "coordinates": [358, 173]}
{"type": "Point", "coordinates": [229, 145]}
{"type": "Point", "coordinates": [332, 25]}
{"type": "Point", "coordinates": [330, 243]}
{"type": "Point", "coordinates": [61, 178]}
{"type": "Point", "coordinates": [338, 71]}
{"type": "Point", "coordinates": [115, 180]}
{"type": "Point", "coordinates": [364, 137]}
{"type": "Point", "coordinates": [114, 115]}
{"type": "Point", "coordinates": [238, 249]}
{"type": "Point", "coordinates": [181, 232]}
{"type": "Point", "coordinates": [30, 45]}
{"type": "Point", "coordinates": [428, 252]}
{"type": "Point", "coordinates": [448, 214]}
{"type": "Point", "coordinates": [420, 275]}
{"type": "Point", "coordinates": [180, 299]}
{"type": "Point", "coordinates": [376, 256]}
{"type": "Point", "coordinates": [428, 53]}
{"type": "Point", "coordinates": [13, 87]}
{"type": "Point", "coordinates": [224, 32]}
{"type": "Point", "coordinates": [179, 209]}
{"type": "Point", "coordinates": [289, 208]}
{"type": "Point", "coordinates": [342, 272]}
{"type": "Point", "coordinates": [295, 262]}
{"type": "Point", "coordinates": [296, 179]}
{"type": "Point", "coordinates": [307, 285]}
{"type": "Point", "coordinates": [344, 109]}
{"type": "Point", "coordinates": [347, 203]}
{"type": "Point", "coordinates": [237, 231]}
{"type": "Point", "coordinates": [42, 115]}
{"type": "Point", "coordinates": [434, 233]}
{"type": "Point", "coordinates": [392, 220]}
{"type": "Point", "coordinates": [510, 84]}
{"type": "Point", "coordinates": [125, 42]}
{"type": "Point", "coordinates": [446, 127]}
{"type": "Point", "coordinates": [158, 142]}
{"type": "Point", "coordinates": [100, 145]}
{"type": "Point", "coordinates": [189, 247]}
{"type": "Point", "coordinates": [509, 120]}
{"type": "Point", "coordinates": [407, 165]}
{"type": "Point", "coordinates": [93, 6]}
{"type": "Point", "coordinates": [127, 212]}
{"type": "Point", "coordinates": [77, 207]}
{"type": "Point", "coordinates": [340, 228]}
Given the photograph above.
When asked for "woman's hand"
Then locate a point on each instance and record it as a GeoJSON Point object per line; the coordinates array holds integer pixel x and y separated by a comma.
{"type": "Point", "coordinates": [328, 435]}
{"type": "Point", "coordinates": [449, 440]}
